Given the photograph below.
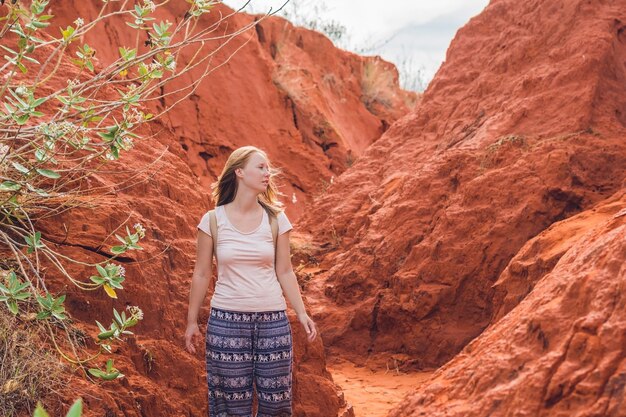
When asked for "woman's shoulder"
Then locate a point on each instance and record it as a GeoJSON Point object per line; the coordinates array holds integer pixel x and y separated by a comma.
{"type": "Point", "coordinates": [284, 224]}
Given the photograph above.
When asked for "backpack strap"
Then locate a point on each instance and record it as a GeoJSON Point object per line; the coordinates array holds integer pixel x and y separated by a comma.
{"type": "Point", "coordinates": [274, 226]}
{"type": "Point", "coordinates": [213, 228]}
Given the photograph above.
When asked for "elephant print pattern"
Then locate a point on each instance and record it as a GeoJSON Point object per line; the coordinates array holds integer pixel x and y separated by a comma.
{"type": "Point", "coordinates": [244, 350]}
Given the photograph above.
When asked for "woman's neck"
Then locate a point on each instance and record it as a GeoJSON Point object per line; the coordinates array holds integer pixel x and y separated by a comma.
{"type": "Point", "coordinates": [245, 201]}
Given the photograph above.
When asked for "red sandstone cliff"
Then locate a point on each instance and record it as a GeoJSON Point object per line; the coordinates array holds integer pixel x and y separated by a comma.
{"type": "Point", "coordinates": [523, 126]}
{"type": "Point", "coordinates": [560, 350]}
{"type": "Point", "coordinates": [287, 90]}
{"type": "Point", "coordinates": [312, 107]}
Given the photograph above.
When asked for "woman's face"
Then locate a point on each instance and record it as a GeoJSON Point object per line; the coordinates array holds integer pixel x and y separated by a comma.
{"type": "Point", "coordinates": [255, 174]}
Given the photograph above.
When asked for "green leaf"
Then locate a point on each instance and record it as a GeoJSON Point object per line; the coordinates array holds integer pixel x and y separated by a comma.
{"type": "Point", "coordinates": [29, 59]}
{"type": "Point", "coordinates": [40, 155]}
{"type": "Point", "coordinates": [9, 108]}
{"type": "Point", "coordinates": [59, 315]}
{"type": "Point", "coordinates": [49, 173]}
{"type": "Point", "coordinates": [13, 307]}
{"type": "Point", "coordinates": [21, 168]}
{"type": "Point", "coordinates": [118, 318]}
{"type": "Point", "coordinates": [22, 296]}
{"type": "Point", "coordinates": [39, 191]}
{"type": "Point", "coordinates": [63, 99]}
{"type": "Point", "coordinates": [39, 101]}
{"type": "Point", "coordinates": [36, 40]}
{"type": "Point", "coordinates": [116, 283]}
{"type": "Point", "coordinates": [43, 315]}
{"type": "Point", "coordinates": [39, 25]}
{"type": "Point", "coordinates": [20, 120]}
{"type": "Point", "coordinates": [106, 335]}
{"type": "Point", "coordinates": [19, 99]}
{"type": "Point", "coordinates": [40, 412]}
{"type": "Point", "coordinates": [46, 301]}
{"type": "Point", "coordinates": [9, 186]}
{"type": "Point", "coordinates": [59, 300]}
{"type": "Point", "coordinates": [21, 67]}
{"type": "Point", "coordinates": [67, 33]}
{"type": "Point", "coordinates": [102, 271]}
{"type": "Point", "coordinates": [8, 49]}
{"type": "Point", "coordinates": [127, 54]}
{"type": "Point", "coordinates": [103, 375]}
{"type": "Point", "coordinates": [97, 280]}
{"type": "Point", "coordinates": [116, 250]}
{"type": "Point", "coordinates": [76, 410]}
{"type": "Point", "coordinates": [96, 372]}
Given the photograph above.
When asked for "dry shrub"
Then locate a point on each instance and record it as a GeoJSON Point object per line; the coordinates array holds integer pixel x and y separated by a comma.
{"type": "Point", "coordinates": [27, 372]}
{"type": "Point", "coordinates": [378, 82]}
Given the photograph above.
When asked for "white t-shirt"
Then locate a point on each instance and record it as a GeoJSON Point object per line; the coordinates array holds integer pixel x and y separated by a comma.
{"type": "Point", "coordinates": [246, 277]}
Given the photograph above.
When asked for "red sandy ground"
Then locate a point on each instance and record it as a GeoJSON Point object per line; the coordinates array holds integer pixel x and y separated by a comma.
{"type": "Point", "coordinates": [371, 390]}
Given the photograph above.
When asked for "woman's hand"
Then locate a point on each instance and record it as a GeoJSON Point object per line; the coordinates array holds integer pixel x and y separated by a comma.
{"type": "Point", "coordinates": [309, 326]}
{"type": "Point", "coordinates": [192, 332]}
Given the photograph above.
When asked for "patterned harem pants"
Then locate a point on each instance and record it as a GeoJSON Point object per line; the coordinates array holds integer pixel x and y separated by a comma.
{"type": "Point", "coordinates": [242, 348]}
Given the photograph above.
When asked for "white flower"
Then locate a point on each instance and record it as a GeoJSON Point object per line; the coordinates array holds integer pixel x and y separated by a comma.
{"type": "Point", "coordinates": [79, 22]}
{"type": "Point", "coordinates": [150, 5]}
{"type": "Point", "coordinates": [332, 179]}
{"type": "Point", "coordinates": [66, 127]}
{"type": "Point", "coordinates": [72, 83]}
{"type": "Point", "coordinates": [21, 90]}
{"type": "Point", "coordinates": [135, 116]}
{"type": "Point", "coordinates": [294, 200]}
{"type": "Point", "coordinates": [127, 143]}
{"type": "Point", "coordinates": [140, 229]}
{"type": "Point", "coordinates": [203, 4]}
{"type": "Point", "coordinates": [121, 271]}
{"type": "Point", "coordinates": [135, 311]}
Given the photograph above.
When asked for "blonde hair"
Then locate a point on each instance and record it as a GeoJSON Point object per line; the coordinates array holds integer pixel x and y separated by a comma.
{"type": "Point", "coordinates": [225, 188]}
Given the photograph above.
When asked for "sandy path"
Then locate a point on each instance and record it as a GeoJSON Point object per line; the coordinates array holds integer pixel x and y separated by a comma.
{"type": "Point", "coordinates": [373, 393]}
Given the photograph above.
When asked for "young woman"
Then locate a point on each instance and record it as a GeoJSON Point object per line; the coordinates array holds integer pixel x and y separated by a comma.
{"type": "Point", "coordinates": [248, 336]}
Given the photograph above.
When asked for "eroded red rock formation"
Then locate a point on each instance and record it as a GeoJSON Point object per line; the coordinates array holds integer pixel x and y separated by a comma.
{"type": "Point", "coordinates": [287, 90]}
{"type": "Point", "coordinates": [560, 351]}
{"type": "Point", "coordinates": [312, 107]}
{"type": "Point", "coordinates": [522, 127]}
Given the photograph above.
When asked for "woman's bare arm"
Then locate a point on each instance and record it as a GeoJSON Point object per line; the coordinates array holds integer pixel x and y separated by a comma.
{"type": "Point", "coordinates": [289, 284]}
{"type": "Point", "coordinates": [202, 275]}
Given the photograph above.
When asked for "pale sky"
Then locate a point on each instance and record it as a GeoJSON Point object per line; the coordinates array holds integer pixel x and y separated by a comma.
{"type": "Point", "coordinates": [412, 34]}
